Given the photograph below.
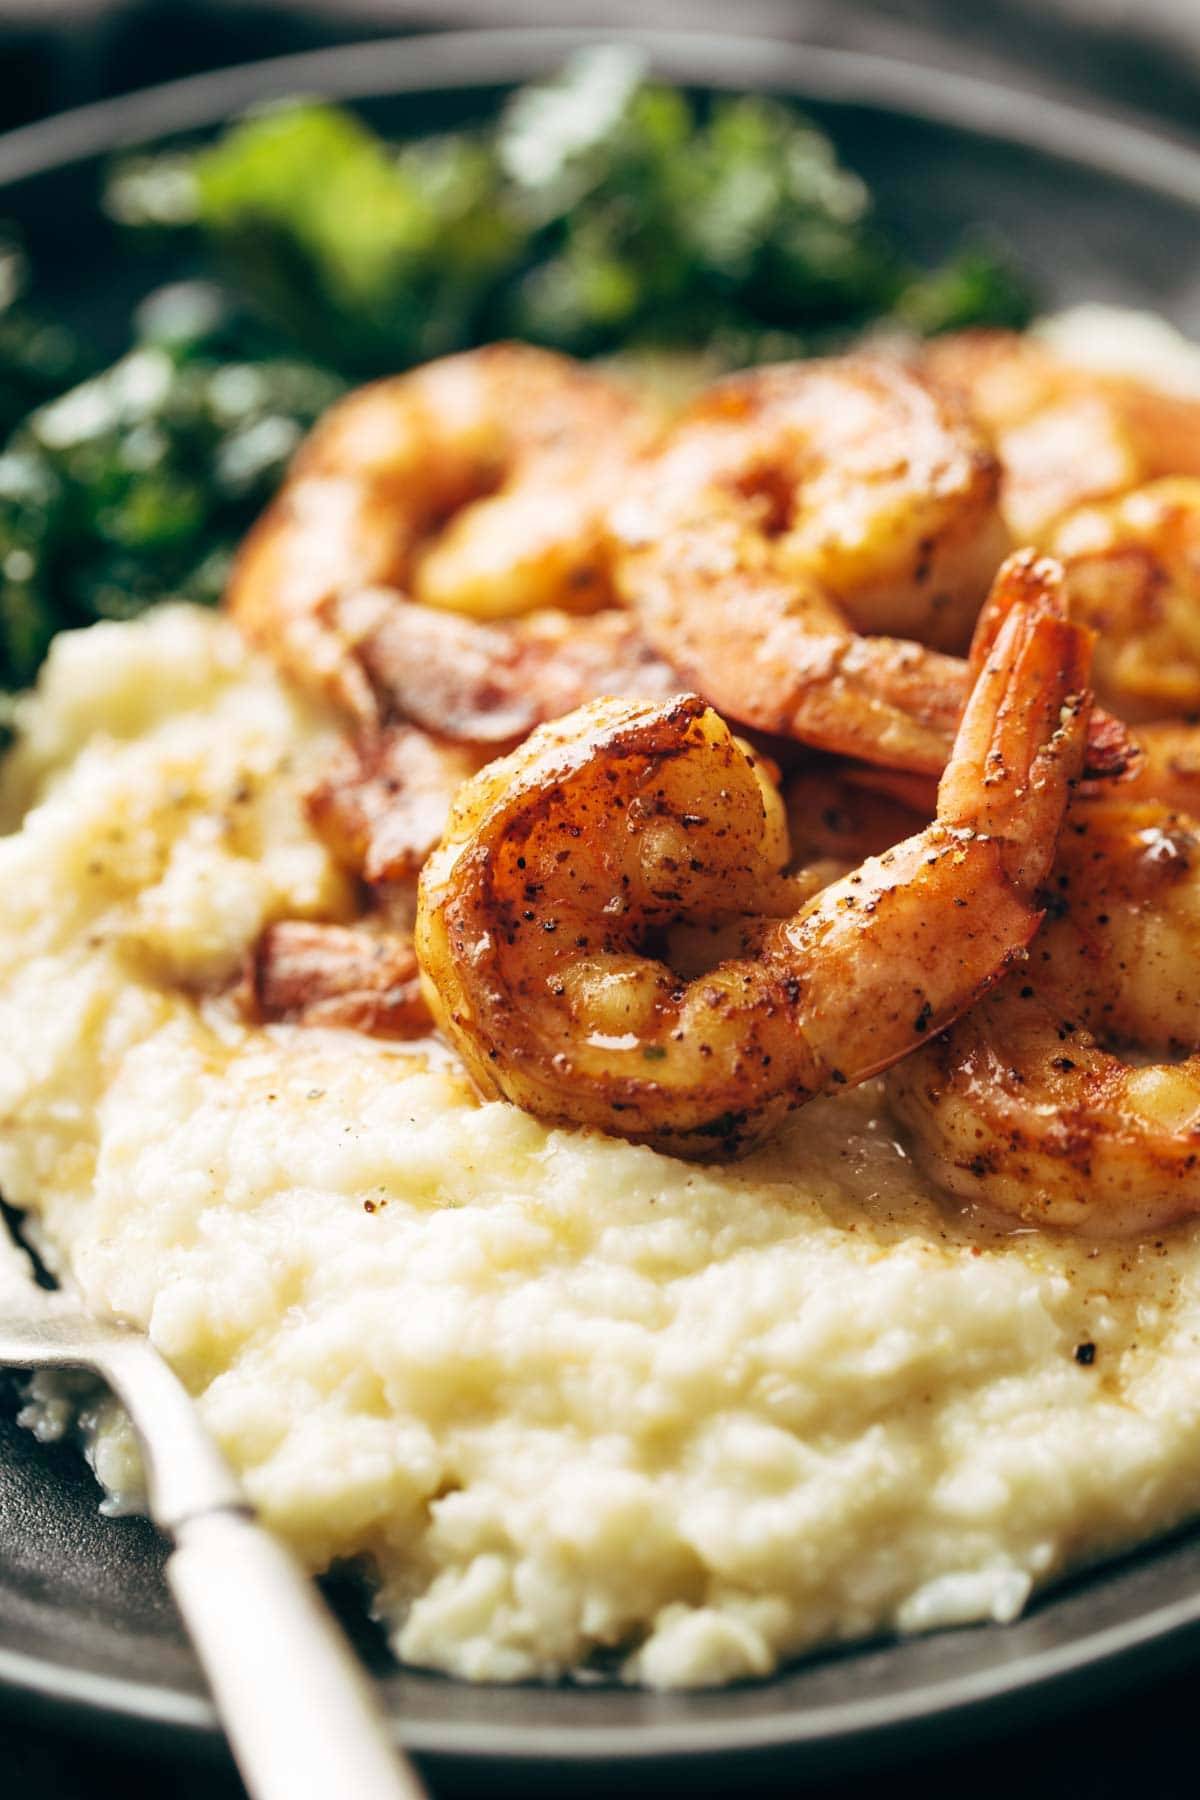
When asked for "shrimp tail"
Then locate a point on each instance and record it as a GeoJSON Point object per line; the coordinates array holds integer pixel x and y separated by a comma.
{"type": "Point", "coordinates": [1030, 672]}
{"type": "Point", "coordinates": [1016, 759]}
{"type": "Point", "coordinates": [1027, 577]}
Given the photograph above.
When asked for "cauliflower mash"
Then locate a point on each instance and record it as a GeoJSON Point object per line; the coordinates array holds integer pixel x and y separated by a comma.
{"type": "Point", "coordinates": [563, 1395]}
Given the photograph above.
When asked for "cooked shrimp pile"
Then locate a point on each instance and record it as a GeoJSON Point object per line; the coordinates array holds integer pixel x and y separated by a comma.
{"type": "Point", "coordinates": [1032, 1103]}
{"type": "Point", "coordinates": [566, 863]}
{"type": "Point", "coordinates": [791, 514]}
{"type": "Point", "coordinates": [1064, 434]}
{"type": "Point", "coordinates": [793, 505]}
{"type": "Point", "coordinates": [423, 570]}
{"type": "Point", "coordinates": [673, 797]}
{"type": "Point", "coordinates": [1103, 472]}
{"type": "Point", "coordinates": [478, 484]}
{"type": "Point", "coordinates": [1071, 1095]}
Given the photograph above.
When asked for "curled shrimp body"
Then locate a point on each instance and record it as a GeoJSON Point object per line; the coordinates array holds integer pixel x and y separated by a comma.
{"type": "Point", "coordinates": [1133, 575]}
{"type": "Point", "coordinates": [477, 484]}
{"type": "Point", "coordinates": [1032, 1103]}
{"type": "Point", "coordinates": [792, 506]}
{"type": "Point", "coordinates": [1065, 433]}
{"type": "Point", "coordinates": [452, 691]}
{"type": "Point", "coordinates": [544, 919]}
{"type": "Point", "coordinates": [1167, 766]}
{"type": "Point", "coordinates": [783, 508]}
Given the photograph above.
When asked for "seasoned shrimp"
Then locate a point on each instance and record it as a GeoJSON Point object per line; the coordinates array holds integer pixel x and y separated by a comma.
{"type": "Point", "coordinates": [1133, 575]}
{"type": "Point", "coordinates": [866, 481]}
{"type": "Point", "coordinates": [1032, 1104]}
{"type": "Point", "coordinates": [477, 484]}
{"type": "Point", "coordinates": [1065, 434]}
{"type": "Point", "coordinates": [1167, 766]}
{"type": "Point", "coordinates": [544, 919]}
{"type": "Point", "coordinates": [383, 801]}
{"type": "Point", "coordinates": [790, 504]}
{"type": "Point", "coordinates": [765, 521]}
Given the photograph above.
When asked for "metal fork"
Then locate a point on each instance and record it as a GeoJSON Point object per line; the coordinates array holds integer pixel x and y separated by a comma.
{"type": "Point", "coordinates": [297, 1708]}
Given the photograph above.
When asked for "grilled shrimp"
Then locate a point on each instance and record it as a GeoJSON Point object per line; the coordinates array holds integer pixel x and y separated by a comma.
{"type": "Point", "coordinates": [1133, 574]}
{"type": "Point", "coordinates": [1040, 1103]}
{"type": "Point", "coordinates": [783, 508]}
{"type": "Point", "coordinates": [476, 484]}
{"type": "Point", "coordinates": [1167, 766]}
{"type": "Point", "coordinates": [544, 919]}
{"type": "Point", "coordinates": [1029, 1104]}
{"type": "Point", "coordinates": [790, 505]}
{"type": "Point", "coordinates": [1065, 434]}
{"type": "Point", "coordinates": [383, 801]}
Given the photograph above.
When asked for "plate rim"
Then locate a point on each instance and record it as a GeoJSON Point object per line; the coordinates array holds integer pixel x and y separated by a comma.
{"type": "Point", "coordinates": [1113, 143]}
{"type": "Point", "coordinates": [841, 1732]}
{"type": "Point", "coordinates": [459, 60]}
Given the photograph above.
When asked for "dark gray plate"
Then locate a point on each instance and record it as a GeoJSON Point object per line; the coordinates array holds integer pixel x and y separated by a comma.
{"type": "Point", "coordinates": [1095, 210]}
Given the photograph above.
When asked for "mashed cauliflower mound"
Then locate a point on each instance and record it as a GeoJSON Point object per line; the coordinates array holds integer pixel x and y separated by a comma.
{"type": "Point", "coordinates": [561, 1393]}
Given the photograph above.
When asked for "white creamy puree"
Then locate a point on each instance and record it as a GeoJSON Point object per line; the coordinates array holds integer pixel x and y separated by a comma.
{"type": "Point", "coordinates": [563, 1393]}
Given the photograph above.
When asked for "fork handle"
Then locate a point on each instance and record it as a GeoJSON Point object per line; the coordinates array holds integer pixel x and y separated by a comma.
{"type": "Point", "coordinates": [298, 1711]}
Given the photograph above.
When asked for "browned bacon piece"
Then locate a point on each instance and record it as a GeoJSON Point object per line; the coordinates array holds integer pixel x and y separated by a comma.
{"type": "Point", "coordinates": [382, 804]}
{"type": "Point", "coordinates": [349, 975]}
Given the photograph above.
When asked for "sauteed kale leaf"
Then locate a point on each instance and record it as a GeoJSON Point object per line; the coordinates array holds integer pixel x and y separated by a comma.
{"type": "Point", "coordinates": [138, 482]}
{"type": "Point", "coordinates": [600, 212]}
{"type": "Point", "coordinates": [37, 357]}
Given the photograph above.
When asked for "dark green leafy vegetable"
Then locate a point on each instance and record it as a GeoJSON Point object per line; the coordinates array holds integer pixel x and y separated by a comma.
{"type": "Point", "coordinates": [37, 358]}
{"type": "Point", "coordinates": [599, 213]}
{"type": "Point", "coordinates": [139, 483]}
{"type": "Point", "coordinates": [670, 229]}
{"type": "Point", "coordinates": [976, 288]}
{"type": "Point", "coordinates": [367, 258]}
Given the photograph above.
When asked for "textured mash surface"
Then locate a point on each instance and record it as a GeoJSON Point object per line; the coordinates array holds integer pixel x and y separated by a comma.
{"type": "Point", "coordinates": [564, 1393]}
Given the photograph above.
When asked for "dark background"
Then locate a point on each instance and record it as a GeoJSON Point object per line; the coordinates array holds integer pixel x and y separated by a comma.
{"type": "Point", "coordinates": [1137, 57]}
